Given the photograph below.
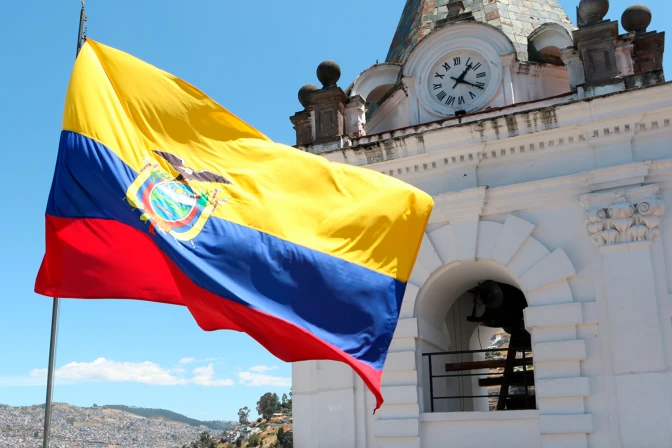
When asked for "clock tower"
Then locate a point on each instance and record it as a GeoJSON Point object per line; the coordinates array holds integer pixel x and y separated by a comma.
{"type": "Point", "coordinates": [545, 146]}
{"type": "Point", "coordinates": [448, 59]}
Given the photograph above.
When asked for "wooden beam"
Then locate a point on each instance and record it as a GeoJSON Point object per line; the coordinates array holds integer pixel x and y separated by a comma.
{"type": "Point", "coordinates": [517, 379]}
{"type": "Point", "coordinates": [508, 370]}
{"type": "Point", "coordinates": [490, 364]}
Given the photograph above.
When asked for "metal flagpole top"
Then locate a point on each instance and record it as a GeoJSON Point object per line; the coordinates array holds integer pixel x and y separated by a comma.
{"type": "Point", "coordinates": [81, 35]}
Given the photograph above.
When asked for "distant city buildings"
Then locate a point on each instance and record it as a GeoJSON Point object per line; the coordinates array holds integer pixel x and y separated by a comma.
{"type": "Point", "coordinates": [74, 427]}
{"type": "Point", "coordinates": [247, 432]}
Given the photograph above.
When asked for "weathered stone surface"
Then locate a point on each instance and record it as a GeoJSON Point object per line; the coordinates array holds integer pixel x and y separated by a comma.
{"type": "Point", "coordinates": [329, 107]}
{"type": "Point", "coordinates": [516, 18]}
{"type": "Point", "coordinates": [304, 127]}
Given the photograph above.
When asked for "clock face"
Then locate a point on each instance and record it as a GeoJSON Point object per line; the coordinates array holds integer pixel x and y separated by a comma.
{"type": "Point", "coordinates": [459, 80]}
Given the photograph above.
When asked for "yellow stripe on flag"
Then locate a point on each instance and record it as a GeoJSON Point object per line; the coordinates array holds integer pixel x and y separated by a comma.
{"type": "Point", "coordinates": [356, 214]}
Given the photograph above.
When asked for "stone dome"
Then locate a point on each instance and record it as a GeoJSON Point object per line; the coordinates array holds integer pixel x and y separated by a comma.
{"type": "Point", "coordinates": [636, 18]}
{"type": "Point", "coordinates": [329, 72]}
{"type": "Point", "coordinates": [304, 94]}
{"type": "Point", "coordinates": [593, 11]}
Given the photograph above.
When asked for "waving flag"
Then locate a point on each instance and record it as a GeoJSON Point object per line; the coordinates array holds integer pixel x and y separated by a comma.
{"type": "Point", "coordinates": [160, 194]}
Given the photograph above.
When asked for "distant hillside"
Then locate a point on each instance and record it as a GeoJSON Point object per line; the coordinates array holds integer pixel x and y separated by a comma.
{"type": "Point", "coordinates": [169, 415]}
{"type": "Point", "coordinates": [72, 426]}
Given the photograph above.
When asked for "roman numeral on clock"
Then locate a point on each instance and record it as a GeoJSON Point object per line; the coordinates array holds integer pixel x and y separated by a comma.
{"type": "Point", "coordinates": [480, 85]}
{"type": "Point", "coordinates": [437, 75]}
{"type": "Point", "coordinates": [441, 95]}
{"type": "Point", "coordinates": [471, 94]}
{"type": "Point", "coordinates": [477, 66]}
{"type": "Point", "coordinates": [450, 101]}
{"type": "Point", "coordinates": [437, 86]}
{"type": "Point", "coordinates": [480, 75]}
{"type": "Point", "coordinates": [456, 61]}
{"type": "Point", "coordinates": [446, 66]}
{"type": "Point", "coordinates": [460, 100]}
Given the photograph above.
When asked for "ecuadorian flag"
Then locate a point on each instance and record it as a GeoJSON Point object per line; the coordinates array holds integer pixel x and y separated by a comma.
{"type": "Point", "coordinates": [160, 194]}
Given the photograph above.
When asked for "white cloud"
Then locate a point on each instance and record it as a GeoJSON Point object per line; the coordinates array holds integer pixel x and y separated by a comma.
{"type": "Point", "coordinates": [193, 360]}
{"type": "Point", "coordinates": [103, 370]}
{"type": "Point", "coordinates": [187, 360]}
{"type": "Point", "coordinates": [204, 377]}
{"type": "Point", "coordinates": [260, 379]}
{"type": "Point", "coordinates": [262, 369]}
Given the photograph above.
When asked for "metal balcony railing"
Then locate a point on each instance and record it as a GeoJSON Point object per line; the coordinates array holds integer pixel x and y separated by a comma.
{"type": "Point", "coordinates": [507, 373]}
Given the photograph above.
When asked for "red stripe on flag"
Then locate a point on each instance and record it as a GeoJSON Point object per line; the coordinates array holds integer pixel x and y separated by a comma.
{"type": "Point", "coordinates": [100, 259]}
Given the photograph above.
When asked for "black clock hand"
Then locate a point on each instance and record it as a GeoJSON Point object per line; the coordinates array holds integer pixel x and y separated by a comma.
{"type": "Point", "coordinates": [462, 81]}
{"type": "Point", "coordinates": [461, 77]}
{"type": "Point", "coordinates": [472, 85]}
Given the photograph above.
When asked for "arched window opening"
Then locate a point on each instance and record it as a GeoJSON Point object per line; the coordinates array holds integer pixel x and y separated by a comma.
{"type": "Point", "coordinates": [546, 55]}
{"type": "Point", "coordinates": [488, 362]}
{"type": "Point", "coordinates": [545, 42]}
{"type": "Point", "coordinates": [376, 98]}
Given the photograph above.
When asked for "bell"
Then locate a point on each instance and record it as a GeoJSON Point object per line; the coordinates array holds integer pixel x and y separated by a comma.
{"type": "Point", "coordinates": [498, 305]}
{"type": "Point", "coordinates": [491, 294]}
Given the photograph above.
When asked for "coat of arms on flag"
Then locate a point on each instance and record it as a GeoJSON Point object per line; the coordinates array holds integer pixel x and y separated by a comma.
{"type": "Point", "coordinates": [179, 205]}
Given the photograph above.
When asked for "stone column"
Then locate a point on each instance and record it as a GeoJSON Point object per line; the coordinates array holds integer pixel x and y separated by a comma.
{"type": "Point", "coordinates": [324, 396]}
{"type": "Point", "coordinates": [355, 117]}
{"type": "Point", "coordinates": [595, 45]}
{"type": "Point", "coordinates": [304, 122]}
{"type": "Point", "coordinates": [329, 106]}
{"type": "Point", "coordinates": [624, 51]}
{"type": "Point", "coordinates": [648, 45]}
{"type": "Point", "coordinates": [648, 49]}
{"type": "Point", "coordinates": [303, 125]}
{"type": "Point", "coordinates": [577, 78]}
{"type": "Point", "coordinates": [507, 84]}
{"type": "Point", "coordinates": [625, 225]}
{"type": "Point", "coordinates": [413, 108]}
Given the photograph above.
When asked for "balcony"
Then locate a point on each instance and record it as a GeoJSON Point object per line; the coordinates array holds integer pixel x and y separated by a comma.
{"type": "Point", "coordinates": [492, 379]}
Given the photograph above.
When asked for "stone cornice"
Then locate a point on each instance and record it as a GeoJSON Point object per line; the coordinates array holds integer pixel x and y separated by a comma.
{"type": "Point", "coordinates": [534, 128]}
{"type": "Point", "coordinates": [512, 149]}
{"type": "Point", "coordinates": [554, 192]}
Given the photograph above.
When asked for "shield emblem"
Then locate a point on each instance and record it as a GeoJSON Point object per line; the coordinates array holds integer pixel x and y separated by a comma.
{"type": "Point", "coordinates": [175, 204]}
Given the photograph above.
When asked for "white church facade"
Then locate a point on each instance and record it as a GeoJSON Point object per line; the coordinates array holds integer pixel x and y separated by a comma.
{"type": "Point", "coordinates": [539, 312]}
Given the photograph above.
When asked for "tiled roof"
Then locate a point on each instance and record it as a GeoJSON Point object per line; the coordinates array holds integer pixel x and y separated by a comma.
{"type": "Point", "coordinates": [516, 18]}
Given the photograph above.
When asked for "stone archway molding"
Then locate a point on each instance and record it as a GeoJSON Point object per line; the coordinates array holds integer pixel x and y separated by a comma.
{"type": "Point", "coordinates": [542, 275]}
{"type": "Point", "coordinates": [552, 318]}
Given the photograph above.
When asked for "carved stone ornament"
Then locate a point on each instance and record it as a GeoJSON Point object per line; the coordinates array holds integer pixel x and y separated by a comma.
{"type": "Point", "coordinates": [624, 222]}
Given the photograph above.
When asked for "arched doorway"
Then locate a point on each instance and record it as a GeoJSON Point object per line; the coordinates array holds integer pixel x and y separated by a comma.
{"type": "Point", "coordinates": [454, 258]}
{"type": "Point", "coordinates": [480, 355]}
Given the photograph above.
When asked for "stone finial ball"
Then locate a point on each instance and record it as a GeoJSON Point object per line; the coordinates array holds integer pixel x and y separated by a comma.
{"type": "Point", "coordinates": [592, 11]}
{"type": "Point", "coordinates": [636, 18]}
{"type": "Point", "coordinates": [304, 94]}
{"type": "Point", "coordinates": [329, 72]}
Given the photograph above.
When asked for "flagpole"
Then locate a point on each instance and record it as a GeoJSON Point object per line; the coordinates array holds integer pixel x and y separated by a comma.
{"type": "Point", "coordinates": [50, 374]}
{"type": "Point", "coordinates": [81, 34]}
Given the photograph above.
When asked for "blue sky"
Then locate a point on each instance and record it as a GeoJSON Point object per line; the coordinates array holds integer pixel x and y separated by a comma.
{"type": "Point", "coordinates": [251, 57]}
